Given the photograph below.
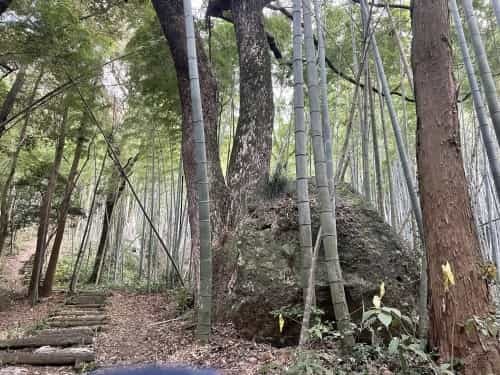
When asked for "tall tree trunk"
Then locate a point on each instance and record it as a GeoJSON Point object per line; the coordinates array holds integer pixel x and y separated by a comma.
{"type": "Point", "coordinates": [329, 232]}
{"type": "Point", "coordinates": [390, 181]}
{"type": "Point", "coordinates": [10, 100]}
{"type": "Point", "coordinates": [403, 157]}
{"type": "Point", "coordinates": [325, 115]}
{"type": "Point", "coordinates": [448, 223]}
{"type": "Point", "coordinates": [171, 17]}
{"type": "Point", "coordinates": [251, 153]}
{"type": "Point", "coordinates": [116, 186]}
{"type": "Point", "coordinates": [302, 177]}
{"type": "Point", "coordinates": [363, 114]}
{"type": "Point", "coordinates": [376, 152]}
{"type": "Point", "coordinates": [205, 300]}
{"type": "Point", "coordinates": [5, 190]}
{"type": "Point", "coordinates": [86, 231]}
{"type": "Point", "coordinates": [249, 163]}
{"type": "Point", "coordinates": [45, 205]}
{"type": "Point", "coordinates": [48, 282]}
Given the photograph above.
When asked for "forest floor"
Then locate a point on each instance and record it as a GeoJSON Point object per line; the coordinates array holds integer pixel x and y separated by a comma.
{"type": "Point", "coordinates": [143, 329]}
{"type": "Point", "coordinates": [148, 329]}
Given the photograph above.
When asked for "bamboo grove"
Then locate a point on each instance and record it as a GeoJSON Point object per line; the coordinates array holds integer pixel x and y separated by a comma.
{"type": "Point", "coordinates": [135, 137]}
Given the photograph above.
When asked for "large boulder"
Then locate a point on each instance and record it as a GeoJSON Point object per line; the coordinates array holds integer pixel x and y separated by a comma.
{"type": "Point", "coordinates": [258, 267]}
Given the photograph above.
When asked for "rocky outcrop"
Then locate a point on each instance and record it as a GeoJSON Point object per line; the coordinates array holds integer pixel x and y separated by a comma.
{"type": "Point", "coordinates": [258, 268]}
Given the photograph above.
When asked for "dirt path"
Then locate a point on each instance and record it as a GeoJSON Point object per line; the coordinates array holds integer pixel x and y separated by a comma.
{"type": "Point", "coordinates": [11, 265]}
{"type": "Point", "coordinates": [144, 329]}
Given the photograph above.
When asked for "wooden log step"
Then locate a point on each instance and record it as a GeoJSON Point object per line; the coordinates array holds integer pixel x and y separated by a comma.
{"type": "Point", "coordinates": [104, 293]}
{"type": "Point", "coordinates": [71, 318]}
{"type": "Point", "coordinates": [85, 306]}
{"type": "Point", "coordinates": [76, 323]}
{"type": "Point", "coordinates": [48, 357]}
{"type": "Point", "coordinates": [85, 300]}
{"type": "Point", "coordinates": [83, 331]}
{"type": "Point", "coordinates": [46, 340]}
{"type": "Point", "coordinates": [76, 312]}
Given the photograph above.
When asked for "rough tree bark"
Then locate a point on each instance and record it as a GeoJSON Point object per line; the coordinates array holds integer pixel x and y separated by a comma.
{"type": "Point", "coordinates": [45, 205]}
{"type": "Point", "coordinates": [170, 13]}
{"type": "Point", "coordinates": [448, 223]}
{"type": "Point", "coordinates": [48, 282]}
{"type": "Point", "coordinates": [251, 152]}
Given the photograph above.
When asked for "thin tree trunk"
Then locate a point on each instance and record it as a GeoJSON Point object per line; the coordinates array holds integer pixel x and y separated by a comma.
{"type": "Point", "coordinates": [407, 174]}
{"type": "Point", "coordinates": [358, 70]}
{"type": "Point", "coordinates": [397, 37]}
{"type": "Point", "coordinates": [390, 182]}
{"type": "Point", "coordinates": [116, 186]}
{"type": "Point", "coordinates": [325, 115]}
{"type": "Point", "coordinates": [363, 113]}
{"type": "Point", "coordinates": [143, 237]}
{"type": "Point", "coordinates": [205, 306]}
{"type": "Point", "coordinates": [327, 219]}
{"type": "Point", "coordinates": [45, 206]}
{"type": "Point", "coordinates": [152, 213]}
{"type": "Point", "coordinates": [376, 153]}
{"type": "Point", "coordinates": [10, 100]}
{"type": "Point", "coordinates": [302, 177]}
{"type": "Point", "coordinates": [171, 16]}
{"type": "Point", "coordinates": [4, 197]}
{"type": "Point", "coordinates": [48, 282]}
{"type": "Point", "coordinates": [489, 143]}
{"type": "Point", "coordinates": [450, 233]}
{"type": "Point", "coordinates": [485, 73]}
{"type": "Point", "coordinates": [310, 293]}
{"type": "Point", "coordinates": [86, 234]}
{"type": "Point", "coordinates": [496, 8]}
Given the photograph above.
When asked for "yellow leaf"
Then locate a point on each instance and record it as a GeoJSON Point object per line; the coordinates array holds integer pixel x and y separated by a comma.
{"type": "Point", "coordinates": [448, 277]}
{"type": "Point", "coordinates": [377, 301]}
{"type": "Point", "coordinates": [281, 322]}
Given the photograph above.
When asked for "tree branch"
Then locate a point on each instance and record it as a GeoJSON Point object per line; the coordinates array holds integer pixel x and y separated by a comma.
{"type": "Point", "coordinates": [382, 5]}
{"type": "Point", "coordinates": [330, 64]}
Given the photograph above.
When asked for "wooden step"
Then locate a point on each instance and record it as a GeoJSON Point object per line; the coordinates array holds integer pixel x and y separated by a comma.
{"type": "Point", "coordinates": [48, 356]}
{"type": "Point", "coordinates": [85, 331]}
{"type": "Point", "coordinates": [76, 312]}
{"type": "Point", "coordinates": [86, 300]}
{"type": "Point", "coordinates": [86, 306]}
{"type": "Point", "coordinates": [77, 323]}
{"type": "Point", "coordinates": [70, 318]}
{"type": "Point", "coordinates": [47, 340]}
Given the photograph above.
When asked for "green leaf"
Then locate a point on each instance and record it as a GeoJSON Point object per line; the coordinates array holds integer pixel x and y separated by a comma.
{"type": "Point", "coordinates": [394, 345]}
{"type": "Point", "coordinates": [393, 311]}
{"type": "Point", "coordinates": [385, 319]}
{"type": "Point", "coordinates": [368, 314]}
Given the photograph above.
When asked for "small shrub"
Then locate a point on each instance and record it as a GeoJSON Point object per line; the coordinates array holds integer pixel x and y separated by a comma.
{"type": "Point", "coordinates": [184, 300]}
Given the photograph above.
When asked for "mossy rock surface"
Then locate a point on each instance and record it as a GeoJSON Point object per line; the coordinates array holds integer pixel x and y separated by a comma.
{"type": "Point", "coordinates": [258, 267]}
